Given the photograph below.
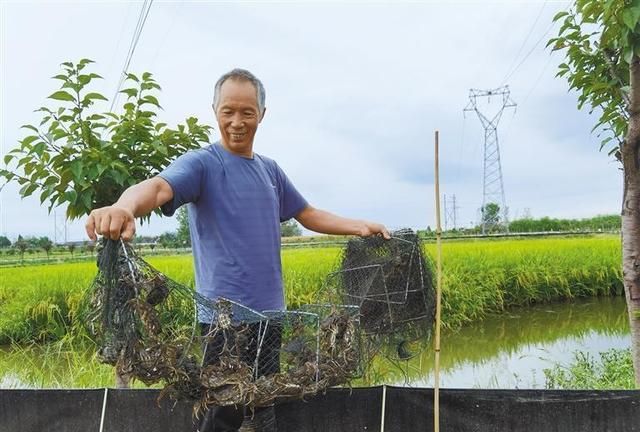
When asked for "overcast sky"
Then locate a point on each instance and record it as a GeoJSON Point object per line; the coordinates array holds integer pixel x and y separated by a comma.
{"type": "Point", "coordinates": [355, 92]}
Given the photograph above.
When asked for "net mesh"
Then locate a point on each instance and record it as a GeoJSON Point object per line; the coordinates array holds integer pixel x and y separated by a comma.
{"type": "Point", "coordinates": [149, 327]}
{"type": "Point", "coordinates": [391, 283]}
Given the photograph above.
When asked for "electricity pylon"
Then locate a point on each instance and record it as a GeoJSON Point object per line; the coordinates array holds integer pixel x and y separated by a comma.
{"type": "Point", "coordinates": [492, 185]}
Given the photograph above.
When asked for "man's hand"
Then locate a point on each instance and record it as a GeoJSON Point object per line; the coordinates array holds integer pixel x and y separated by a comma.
{"type": "Point", "coordinates": [372, 228]}
{"type": "Point", "coordinates": [324, 222]}
{"type": "Point", "coordinates": [112, 222]}
{"type": "Point", "coordinates": [118, 221]}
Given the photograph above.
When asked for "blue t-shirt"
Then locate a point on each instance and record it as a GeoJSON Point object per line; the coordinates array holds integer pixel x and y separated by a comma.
{"type": "Point", "coordinates": [235, 208]}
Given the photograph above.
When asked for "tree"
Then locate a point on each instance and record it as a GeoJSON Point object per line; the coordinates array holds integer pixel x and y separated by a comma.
{"type": "Point", "coordinates": [601, 41]}
{"type": "Point", "coordinates": [490, 216]}
{"type": "Point", "coordinates": [72, 248]}
{"type": "Point", "coordinates": [4, 242]}
{"type": "Point", "coordinates": [183, 235]}
{"type": "Point", "coordinates": [86, 159]}
{"type": "Point", "coordinates": [22, 246]}
{"type": "Point", "coordinates": [290, 228]}
{"type": "Point", "coordinates": [168, 240]}
{"type": "Point", "coordinates": [90, 247]}
{"type": "Point", "coordinates": [46, 244]}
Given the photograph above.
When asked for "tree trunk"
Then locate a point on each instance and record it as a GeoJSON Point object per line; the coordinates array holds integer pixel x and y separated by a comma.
{"type": "Point", "coordinates": [122, 381]}
{"type": "Point", "coordinates": [631, 216]}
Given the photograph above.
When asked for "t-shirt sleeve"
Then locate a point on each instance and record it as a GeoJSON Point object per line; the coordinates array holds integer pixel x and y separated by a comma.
{"type": "Point", "coordinates": [184, 175]}
{"type": "Point", "coordinates": [291, 201]}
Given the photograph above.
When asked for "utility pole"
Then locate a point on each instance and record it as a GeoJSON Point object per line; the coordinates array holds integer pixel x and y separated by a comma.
{"type": "Point", "coordinates": [450, 212]}
{"type": "Point", "coordinates": [446, 212]}
{"type": "Point", "coordinates": [59, 229]}
{"type": "Point", "coordinates": [492, 185]}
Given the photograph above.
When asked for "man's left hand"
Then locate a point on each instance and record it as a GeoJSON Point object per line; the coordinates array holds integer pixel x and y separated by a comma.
{"type": "Point", "coordinates": [372, 228]}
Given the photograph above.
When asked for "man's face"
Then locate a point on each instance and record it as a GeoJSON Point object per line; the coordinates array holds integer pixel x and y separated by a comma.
{"type": "Point", "coordinates": [238, 116]}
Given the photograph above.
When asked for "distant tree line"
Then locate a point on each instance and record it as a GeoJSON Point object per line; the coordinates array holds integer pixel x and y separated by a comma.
{"type": "Point", "coordinates": [181, 238]}
{"type": "Point", "coordinates": [597, 223]}
{"type": "Point", "coordinates": [601, 223]}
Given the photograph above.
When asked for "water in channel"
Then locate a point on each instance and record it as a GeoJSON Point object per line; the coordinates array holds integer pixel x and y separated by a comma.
{"type": "Point", "coordinates": [509, 350]}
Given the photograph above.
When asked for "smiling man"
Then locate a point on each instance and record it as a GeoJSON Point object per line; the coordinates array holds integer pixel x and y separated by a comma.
{"type": "Point", "coordinates": [236, 200]}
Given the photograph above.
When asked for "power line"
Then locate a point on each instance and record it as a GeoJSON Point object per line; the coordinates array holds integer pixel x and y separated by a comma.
{"type": "Point", "coordinates": [535, 45]}
{"type": "Point", "coordinates": [142, 19]}
{"type": "Point", "coordinates": [524, 42]}
{"type": "Point", "coordinates": [528, 53]}
{"type": "Point", "coordinates": [177, 10]}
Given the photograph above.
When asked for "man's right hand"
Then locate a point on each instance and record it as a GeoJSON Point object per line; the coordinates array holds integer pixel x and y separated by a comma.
{"type": "Point", "coordinates": [111, 222]}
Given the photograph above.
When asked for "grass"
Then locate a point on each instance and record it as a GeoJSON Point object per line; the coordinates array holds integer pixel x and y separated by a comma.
{"type": "Point", "coordinates": [612, 371]}
{"type": "Point", "coordinates": [66, 363]}
{"type": "Point", "coordinates": [480, 277]}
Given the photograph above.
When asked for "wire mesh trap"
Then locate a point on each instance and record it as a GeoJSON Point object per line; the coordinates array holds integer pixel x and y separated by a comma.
{"type": "Point", "coordinates": [391, 282]}
{"type": "Point", "coordinates": [143, 323]}
{"type": "Point", "coordinates": [149, 327]}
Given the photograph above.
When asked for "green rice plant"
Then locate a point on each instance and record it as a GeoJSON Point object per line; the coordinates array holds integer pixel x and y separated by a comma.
{"type": "Point", "coordinates": [480, 277]}
{"type": "Point", "coordinates": [612, 371]}
{"type": "Point", "coordinates": [66, 363]}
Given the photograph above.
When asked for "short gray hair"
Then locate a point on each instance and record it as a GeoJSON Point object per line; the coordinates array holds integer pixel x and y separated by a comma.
{"type": "Point", "coordinates": [242, 75]}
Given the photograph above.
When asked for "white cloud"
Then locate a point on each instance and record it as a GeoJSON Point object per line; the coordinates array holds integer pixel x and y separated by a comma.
{"type": "Point", "coordinates": [354, 93]}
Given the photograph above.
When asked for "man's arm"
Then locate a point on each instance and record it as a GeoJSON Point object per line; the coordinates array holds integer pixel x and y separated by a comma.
{"type": "Point", "coordinates": [118, 220]}
{"type": "Point", "coordinates": [327, 223]}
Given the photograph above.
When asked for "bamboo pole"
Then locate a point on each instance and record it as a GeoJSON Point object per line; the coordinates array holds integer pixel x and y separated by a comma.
{"type": "Point", "coordinates": [436, 379]}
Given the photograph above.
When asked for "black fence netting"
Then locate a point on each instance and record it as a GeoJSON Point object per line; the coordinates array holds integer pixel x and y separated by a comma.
{"type": "Point", "coordinates": [338, 410]}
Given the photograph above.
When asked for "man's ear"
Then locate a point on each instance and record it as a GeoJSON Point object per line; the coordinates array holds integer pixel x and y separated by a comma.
{"type": "Point", "coordinates": [264, 110]}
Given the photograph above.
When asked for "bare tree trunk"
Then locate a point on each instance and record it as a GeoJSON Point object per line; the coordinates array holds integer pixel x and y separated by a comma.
{"type": "Point", "coordinates": [631, 216]}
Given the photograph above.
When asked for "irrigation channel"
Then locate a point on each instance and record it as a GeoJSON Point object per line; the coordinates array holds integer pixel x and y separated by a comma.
{"type": "Point", "coordinates": [509, 350]}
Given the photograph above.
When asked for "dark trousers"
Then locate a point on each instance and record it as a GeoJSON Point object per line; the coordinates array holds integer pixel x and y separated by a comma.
{"type": "Point", "coordinates": [230, 418]}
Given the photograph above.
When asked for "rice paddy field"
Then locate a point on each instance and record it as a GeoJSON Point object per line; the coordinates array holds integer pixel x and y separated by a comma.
{"type": "Point", "coordinates": [481, 277]}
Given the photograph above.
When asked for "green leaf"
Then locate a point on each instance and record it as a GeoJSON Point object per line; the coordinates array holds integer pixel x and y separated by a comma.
{"type": "Point", "coordinates": [7, 158]}
{"type": "Point", "coordinates": [46, 193]}
{"type": "Point", "coordinates": [146, 76]}
{"type": "Point", "coordinates": [76, 168]}
{"type": "Point", "coordinates": [62, 95]}
{"type": "Point", "coordinates": [631, 16]}
{"type": "Point", "coordinates": [39, 148]}
{"type": "Point", "coordinates": [560, 15]}
{"type": "Point", "coordinates": [28, 189]}
{"type": "Point", "coordinates": [28, 140]}
{"type": "Point", "coordinates": [89, 97]}
{"type": "Point", "coordinates": [51, 180]}
{"type": "Point", "coordinates": [70, 196]}
{"type": "Point", "coordinates": [60, 77]}
{"type": "Point", "coordinates": [96, 96]}
{"type": "Point", "coordinates": [627, 55]}
{"type": "Point", "coordinates": [87, 199]}
{"type": "Point", "coordinates": [151, 100]}
{"type": "Point", "coordinates": [131, 92]}
{"type": "Point", "coordinates": [33, 128]}
{"type": "Point", "coordinates": [7, 174]}
{"type": "Point", "coordinates": [132, 77]}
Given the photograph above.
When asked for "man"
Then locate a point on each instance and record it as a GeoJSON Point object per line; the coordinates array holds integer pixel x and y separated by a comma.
{"type": "Point", "coordinates": [237, 200]}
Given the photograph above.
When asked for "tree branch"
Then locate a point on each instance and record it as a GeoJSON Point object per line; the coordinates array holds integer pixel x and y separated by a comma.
{"type": "Point", "coordinates": [609, 60]}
